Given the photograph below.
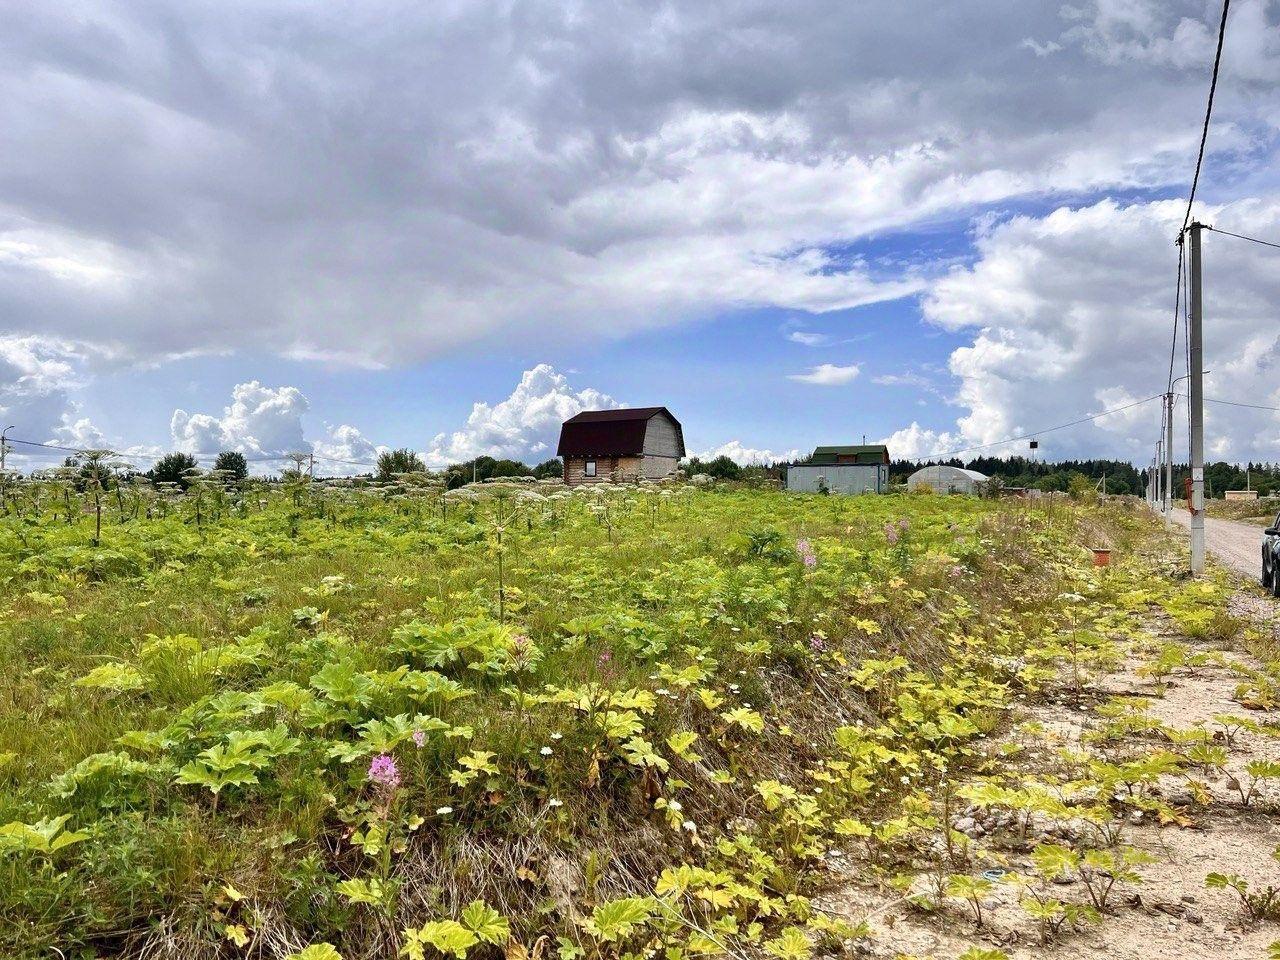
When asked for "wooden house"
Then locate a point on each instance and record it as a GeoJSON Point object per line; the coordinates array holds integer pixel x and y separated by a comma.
{"type": "Point", "coordinates": [619, 446]}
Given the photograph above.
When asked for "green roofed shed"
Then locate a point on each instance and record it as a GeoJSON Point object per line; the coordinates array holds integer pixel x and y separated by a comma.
{"type": "Point", "coordinates": [862, 468]}
{"type": "Point", "coordinates": [863, 453]}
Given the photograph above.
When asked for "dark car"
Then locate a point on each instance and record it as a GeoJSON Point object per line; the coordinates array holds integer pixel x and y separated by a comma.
{"type": "Point", "coordinates": [1271, 557]}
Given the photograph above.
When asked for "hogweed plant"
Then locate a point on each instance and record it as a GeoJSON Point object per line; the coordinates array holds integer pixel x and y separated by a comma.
{"type": "Point", "coordinates": [1263, 904]}
{"type": "Point", "coordinates": [352, 692]}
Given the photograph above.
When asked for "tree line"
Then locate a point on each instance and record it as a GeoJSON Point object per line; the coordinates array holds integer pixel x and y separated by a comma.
{"type": "Point", "coordinates": [179, 468]}
{"type": "Point", "coordinates": [1121, 476]}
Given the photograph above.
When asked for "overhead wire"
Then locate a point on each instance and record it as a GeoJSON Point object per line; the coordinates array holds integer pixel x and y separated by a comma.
{"type": "Point", "coordinates": [1208, 112]}
{"type": "Point", "coordinates": [1039, 433]}
{"type": "Point", "coordinates": [1241, 236]}
{"type": "Point", "coordinates": [1177, 302]}
{"type": "Point", "coordinates": [1191, 200]}
{"type": "Point", "coordinates": [1236, 403]}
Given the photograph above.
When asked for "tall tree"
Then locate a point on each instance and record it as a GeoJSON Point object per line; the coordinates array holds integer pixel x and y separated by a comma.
{"type": "Point", "coordinates": [722, 468]}
{"type": "Point", "coordinates": [172, 468]}
{"type": "Point", "coordinates": [404, 460]}
{"type": "Point", "coordinates": [549, 469]}
{"type": "Point", "coordinates": [233, 464]}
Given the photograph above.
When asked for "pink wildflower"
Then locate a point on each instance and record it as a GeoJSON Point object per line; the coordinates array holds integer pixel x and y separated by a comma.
{"type": "Point", "coordinates": [891, 533]}
{"type": "Point", "coordinates": [383, 772]}
{"type": "Point", "coordinates": [817, 644]}
{"type": "Point", "coordinates": [419, 738]}
{"type": "Point", "coordinates": [804, 550]}
{"type": "Point", "coordinates": [520, 649]}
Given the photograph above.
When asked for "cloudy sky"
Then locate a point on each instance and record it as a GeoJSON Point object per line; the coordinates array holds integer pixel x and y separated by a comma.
{"type": "Point", "coordinates": [274, 225]}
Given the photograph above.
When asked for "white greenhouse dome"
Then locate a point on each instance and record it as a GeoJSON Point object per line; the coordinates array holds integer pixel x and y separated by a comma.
{"type": "Point", "coordinates": [944, 479]}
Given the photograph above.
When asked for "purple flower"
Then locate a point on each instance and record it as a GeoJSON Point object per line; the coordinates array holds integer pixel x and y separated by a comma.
{"type": "Point", "coordinates": [817, 644]}
{"type": "Point", "coordinates": [521, 647]}
{"type": "Point", "coordinates": [419, 738]}
{"type": "Point", "coordinates": [604, 659]}
{"type": "Point", "coordinates": [957, 571]}
{"type": "Point", "coordinates": [904, 524]}
{"type": "Point", "coordinates": [383, 772]}
{"type": "Point", "coordinates": [891, 533]}
{"type": "Point", "coordinates": [804, 550]}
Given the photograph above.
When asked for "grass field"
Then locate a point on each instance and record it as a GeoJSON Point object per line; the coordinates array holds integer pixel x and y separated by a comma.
{"type": "Point", "coordinates": [433, 724]}
{"type": "Point", "coordinates": [1259, 512]}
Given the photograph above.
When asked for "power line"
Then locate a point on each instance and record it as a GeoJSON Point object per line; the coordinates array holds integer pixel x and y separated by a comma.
{"type": "Point", "coordinates": [1241, 236]}
{"type": "Point", "coordinates": [47, 446]}
{"type": "Point", "coordinates": [1237, 403]}
{"type": "Point", "coordinates": [1177, 302]}
{"type": "Point", "coordinates": [1038, 433]}
{"type": "Point", "coordinates": [1208, 112]}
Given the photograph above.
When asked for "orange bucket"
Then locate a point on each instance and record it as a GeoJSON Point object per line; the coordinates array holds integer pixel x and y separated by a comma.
{"type": "Point", "coordinates": [1101, 556]}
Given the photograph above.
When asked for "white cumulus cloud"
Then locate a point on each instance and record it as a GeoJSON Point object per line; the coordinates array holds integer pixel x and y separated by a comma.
{"type": "Point", "coordinates": [525, 426]}
{"type": "Point", "coordinates": [267, 422]}
{"type": "Point", "coordinates": [346, 451]}
{"type": "Point", "coordinates": [919, 443]}
{"type": "Point", "coordinates": [260, 421]}
{"type": "Point", "coordinates": [744, 455]}
{"type": "Point", "coordinates": [38, 376]}
{"type": "Point", "coordinates": [1072, 314]}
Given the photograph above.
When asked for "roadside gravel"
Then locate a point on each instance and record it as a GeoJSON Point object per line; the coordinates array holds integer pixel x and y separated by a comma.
{"type": "Point", "coordinates": [1236, 545]}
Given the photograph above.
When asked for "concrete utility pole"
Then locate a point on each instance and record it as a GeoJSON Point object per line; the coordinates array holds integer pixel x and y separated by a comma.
{"type": "Point", "coordinates": [1159, 468]}
{"type": "Point", "coordinates": [1168, 460]}
{"type": "Point", "coordinates": [1195, 404]}
{"type": "Point", "coordinates": [4, 444]}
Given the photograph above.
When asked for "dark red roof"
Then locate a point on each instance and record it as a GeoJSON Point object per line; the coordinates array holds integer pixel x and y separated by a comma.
{"type": "Point", "coordinates": [610, 433]}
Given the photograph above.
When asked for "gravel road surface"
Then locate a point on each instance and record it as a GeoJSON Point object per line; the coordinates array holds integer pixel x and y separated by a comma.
{"type": "Point", "coordinates": [1237, 545]}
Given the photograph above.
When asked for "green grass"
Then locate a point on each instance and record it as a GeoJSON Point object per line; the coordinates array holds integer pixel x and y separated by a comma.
{"type": "Point", "coordinates": [601, 684]}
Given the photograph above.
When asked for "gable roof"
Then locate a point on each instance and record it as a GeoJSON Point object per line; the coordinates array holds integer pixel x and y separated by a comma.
{"type": "Point", "coordinates": [611, 433]}
{"type": "Point", "coordinates": [862, 453]}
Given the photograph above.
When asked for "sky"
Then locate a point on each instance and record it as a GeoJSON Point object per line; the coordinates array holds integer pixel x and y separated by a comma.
{"type": "Point", "coordinates": [272, 226]}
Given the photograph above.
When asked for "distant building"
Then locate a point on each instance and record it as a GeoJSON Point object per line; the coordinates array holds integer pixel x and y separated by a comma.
{"type": "Point", "coordinates": [944, 479]}
{"type": "Point", "coordinates": [850, 469]}
{"type": "Point", "coordinates": [619, 446]}
{"type": "Point", "coordinates": [1240, 494]}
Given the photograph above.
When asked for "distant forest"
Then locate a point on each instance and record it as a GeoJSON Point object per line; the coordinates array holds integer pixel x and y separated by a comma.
{"type": "Point", "coordinates": [1122, 477]}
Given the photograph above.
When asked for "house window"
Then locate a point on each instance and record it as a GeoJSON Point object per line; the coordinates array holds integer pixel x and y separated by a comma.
{"type": "Point", "coordinates": [589, 470]}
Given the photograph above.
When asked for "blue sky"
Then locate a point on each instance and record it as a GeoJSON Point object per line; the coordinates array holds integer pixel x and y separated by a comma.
{"type": "Point", "coordinates": [268, 227]}
{"type": "Point", "coordinates": [726, 373]}
{"type": "Point", "coordinates": [726, 376]}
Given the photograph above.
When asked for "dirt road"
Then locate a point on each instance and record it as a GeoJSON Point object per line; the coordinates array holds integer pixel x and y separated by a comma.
{"type": "Point", "coordinates": [1206, 827]}
{"type": "Point", "coordinates": [1237, 545]}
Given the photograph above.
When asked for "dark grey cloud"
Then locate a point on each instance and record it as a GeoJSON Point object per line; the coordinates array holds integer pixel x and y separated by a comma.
{"type": "Point", "coordinates": [380, 182]}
